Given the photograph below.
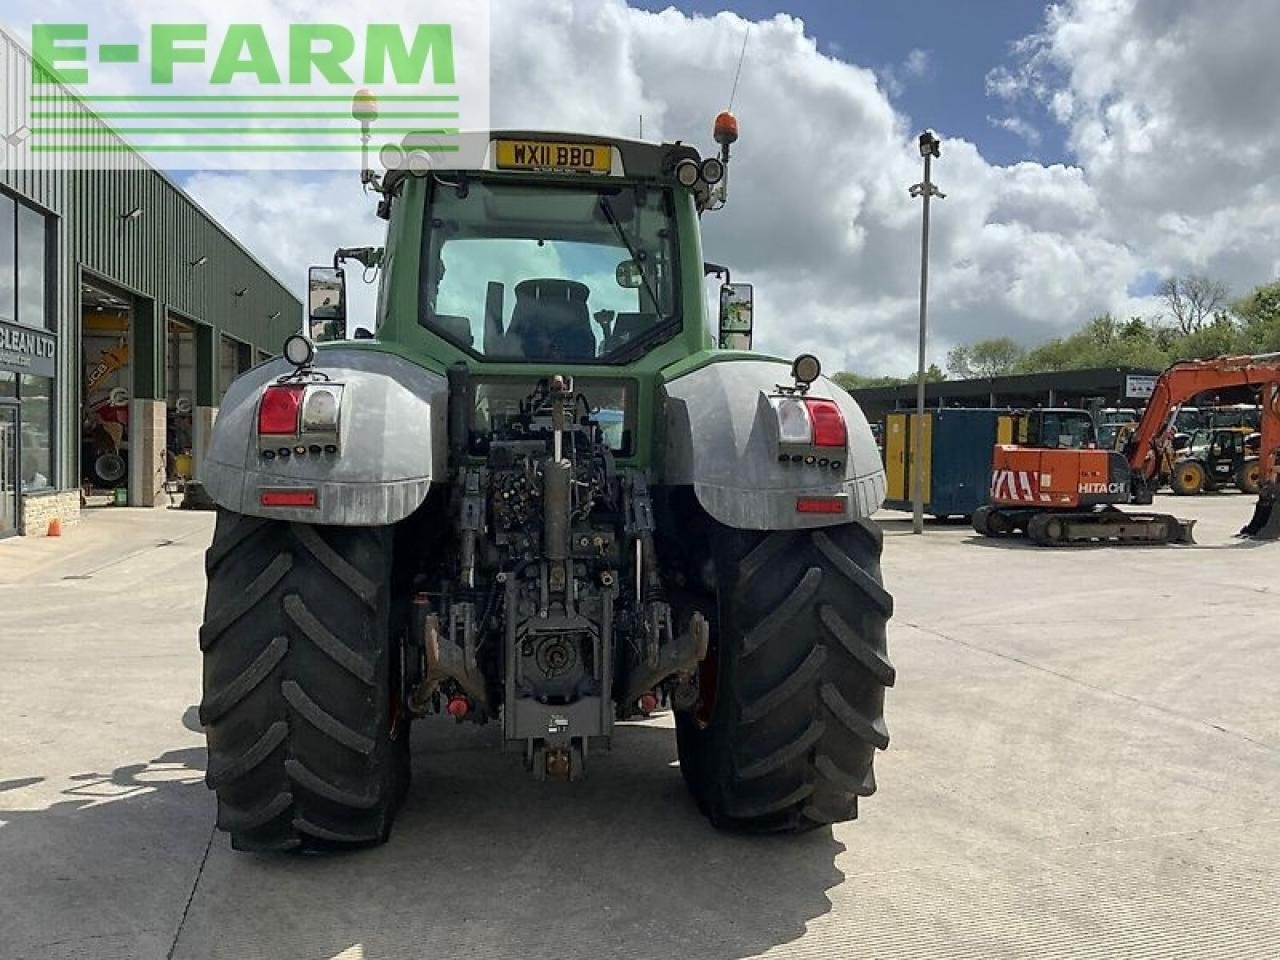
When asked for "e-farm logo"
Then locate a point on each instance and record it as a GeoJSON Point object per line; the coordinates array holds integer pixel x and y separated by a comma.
{"type": "Point", "coordinates": [315, 50]}
{"type": "Point", "coordinates": [296, 95]}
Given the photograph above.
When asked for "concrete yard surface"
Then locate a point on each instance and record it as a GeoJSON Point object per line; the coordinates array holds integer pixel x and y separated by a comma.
{"type": "Point", "coordinates": [1085, 762]}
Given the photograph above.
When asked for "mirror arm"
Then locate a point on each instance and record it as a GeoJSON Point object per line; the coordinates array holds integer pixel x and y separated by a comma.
{"type": "Point", "coordinates": [369, 257]}
{"type": "Point", "coordinates": [717, 270]}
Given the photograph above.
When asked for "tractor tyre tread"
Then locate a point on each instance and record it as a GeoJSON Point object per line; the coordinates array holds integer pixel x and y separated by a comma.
{"type": "Point", "coordinates": [802, 667]}
{"type": "Point", "coordinates": [297, 704]}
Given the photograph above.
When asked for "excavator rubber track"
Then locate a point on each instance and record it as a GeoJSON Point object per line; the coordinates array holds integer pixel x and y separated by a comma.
{"type": "Point", "coordinates": [1110, 526]}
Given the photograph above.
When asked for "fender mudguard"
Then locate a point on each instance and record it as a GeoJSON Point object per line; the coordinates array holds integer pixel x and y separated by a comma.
{"type": "Point", "coordinates": [722, 438]}
{"type": "Point", "coordinates": [392, 430]}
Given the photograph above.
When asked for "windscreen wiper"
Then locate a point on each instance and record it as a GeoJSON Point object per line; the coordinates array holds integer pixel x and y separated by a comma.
{"type": "Point", "coordinates": [612, 217]}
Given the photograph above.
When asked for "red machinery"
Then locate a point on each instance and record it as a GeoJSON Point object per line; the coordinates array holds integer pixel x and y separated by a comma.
{"type": "Point", "coordinates": [1059, 495]}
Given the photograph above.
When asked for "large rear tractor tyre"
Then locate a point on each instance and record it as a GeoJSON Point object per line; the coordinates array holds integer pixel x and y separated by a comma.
{"type": "Point", "coordinates": [1187, 478]}
{"type": "Point", "coordinates": [307, 745]}
{"type": "Point", "coordinates": [792, 690]}
{"type": "Point", "coordinates": [1249, 476]}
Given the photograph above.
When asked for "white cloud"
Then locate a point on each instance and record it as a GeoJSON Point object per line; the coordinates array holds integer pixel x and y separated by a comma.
{"type": "Point", "coordinates": [895, 77]}
{"type": "Point", "coordinates": [1170, 108]}
{"type": "Point", "coordinates": [917, 63]}
{"type": "Point", "coordinates": [1018, 127]}
{"type": "Point", "coordinates": [1168, 116]}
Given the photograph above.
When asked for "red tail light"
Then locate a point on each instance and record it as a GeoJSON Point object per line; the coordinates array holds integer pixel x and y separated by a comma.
{"type": "Point", "coordinates": [828, 423]}
{"type": "Point", "coordinates": [301, 497]}
{"type": "Point", "coordinates": [279, 411]}
{"type": "Point", "coordinates": [821, 504]}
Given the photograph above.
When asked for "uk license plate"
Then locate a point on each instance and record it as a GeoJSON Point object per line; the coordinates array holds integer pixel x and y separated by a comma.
{"type": "Point", "coordinates": [555, 157]}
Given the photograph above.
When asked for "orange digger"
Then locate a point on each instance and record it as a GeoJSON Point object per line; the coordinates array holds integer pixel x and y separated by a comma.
{"type": "Point", "coordinates": [1055, 486]}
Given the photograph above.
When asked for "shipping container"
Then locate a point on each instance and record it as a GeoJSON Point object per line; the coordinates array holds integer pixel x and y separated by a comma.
{"type": "Point", "coordinates": [957, 446]}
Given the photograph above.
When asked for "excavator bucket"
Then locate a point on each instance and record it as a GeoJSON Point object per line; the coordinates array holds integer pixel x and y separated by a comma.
{"type": "Point", "coordinates": [1265, 524]}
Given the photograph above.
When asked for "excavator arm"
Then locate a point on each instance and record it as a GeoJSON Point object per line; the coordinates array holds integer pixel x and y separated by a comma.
{"type": "Point", "coordinates": [1184, 380]}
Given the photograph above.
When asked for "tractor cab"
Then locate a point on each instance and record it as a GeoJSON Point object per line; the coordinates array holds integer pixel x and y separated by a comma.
{"type": "Point", "coordinates": [558, 248]}
{"type": "Point", "coordinates": [559, 254]}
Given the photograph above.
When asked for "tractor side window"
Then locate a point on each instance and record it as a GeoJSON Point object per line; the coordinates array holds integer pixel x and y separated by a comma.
{"type": "Point", "coordinates": [520, 272]}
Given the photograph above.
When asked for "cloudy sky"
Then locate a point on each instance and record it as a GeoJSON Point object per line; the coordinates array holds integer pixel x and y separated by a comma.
{"type": "Point", "coordinates": [1090, 147]}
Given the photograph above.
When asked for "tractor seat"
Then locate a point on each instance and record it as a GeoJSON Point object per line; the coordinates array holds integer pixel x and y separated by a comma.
{"type": "Point", "coordinates": [628, 326]}
{"type": "Point", "coordinates": [459, 328]}
{"type": "Point", "coordinates": [551, 321]}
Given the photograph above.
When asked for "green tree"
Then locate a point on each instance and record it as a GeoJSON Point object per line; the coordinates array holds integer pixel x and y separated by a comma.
{"type": "Point", "coordinates": [857, 381]}
{"type": "Point", "coordinates": [1220, 337]}
{"type": "Point", "coordinates": [986, 358]}
{"type": "Point", "coordinates": [1259, 314]}
{"type": "Point", "coordinates": [1103, 341]}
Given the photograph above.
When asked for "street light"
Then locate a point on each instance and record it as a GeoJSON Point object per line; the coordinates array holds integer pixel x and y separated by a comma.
{"type": "Point", "coordinates": [930, 147]}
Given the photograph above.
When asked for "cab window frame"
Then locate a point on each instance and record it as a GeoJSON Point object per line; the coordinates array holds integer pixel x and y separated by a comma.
{"type": "Point", "coordinates": [672, 324]}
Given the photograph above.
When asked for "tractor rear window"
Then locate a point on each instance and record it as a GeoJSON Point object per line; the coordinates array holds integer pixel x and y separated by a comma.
{"type": "Point", "coordinates": [521, 272]}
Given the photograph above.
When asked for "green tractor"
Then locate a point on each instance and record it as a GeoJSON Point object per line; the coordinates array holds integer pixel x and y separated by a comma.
{"type": "Point", "coordinates": [541, 489]}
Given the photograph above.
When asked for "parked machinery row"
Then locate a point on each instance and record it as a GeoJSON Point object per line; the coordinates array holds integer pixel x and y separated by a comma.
{"type": "Point", "coordinates": [1047, 476]}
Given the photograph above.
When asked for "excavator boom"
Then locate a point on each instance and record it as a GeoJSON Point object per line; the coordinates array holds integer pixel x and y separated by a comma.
{"type": "Point", "coordinates": [1186, 379]}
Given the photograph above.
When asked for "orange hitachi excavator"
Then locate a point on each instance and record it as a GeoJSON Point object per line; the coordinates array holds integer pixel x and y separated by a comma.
{"type": "Point", "coordinates": [1062, 491]}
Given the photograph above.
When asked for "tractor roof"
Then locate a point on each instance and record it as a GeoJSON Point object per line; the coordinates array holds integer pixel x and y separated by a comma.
{"type": "Point", "coordinates": [617, 156]}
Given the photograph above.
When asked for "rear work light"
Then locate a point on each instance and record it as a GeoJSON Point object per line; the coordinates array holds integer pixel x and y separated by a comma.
{"type": "Point", "coordinates": [280, 410]}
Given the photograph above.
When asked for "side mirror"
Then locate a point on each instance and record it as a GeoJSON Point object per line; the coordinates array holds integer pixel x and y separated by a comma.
{"type": "Point", "coordinates": [326, 304]}
{"type": "Point", "coordinates": [628, 275]}
{"type": "Point", "coordinates": [737, 302]}
{"type": "Point", "coordinates": [363, 333]}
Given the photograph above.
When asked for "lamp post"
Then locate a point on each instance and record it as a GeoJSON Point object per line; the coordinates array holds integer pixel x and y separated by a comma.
{"type": "Point", "coordinates": [930, 147]}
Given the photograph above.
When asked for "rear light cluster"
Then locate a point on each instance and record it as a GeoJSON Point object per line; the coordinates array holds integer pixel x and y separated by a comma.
{"type": "Point", "coordinates": [299, 419]}
{"type": "Point", "coordinates": [811, 430]}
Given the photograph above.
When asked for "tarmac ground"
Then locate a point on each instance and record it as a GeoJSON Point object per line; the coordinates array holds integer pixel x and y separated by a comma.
{"type": "Point", "coordinates": [1085, 762]}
